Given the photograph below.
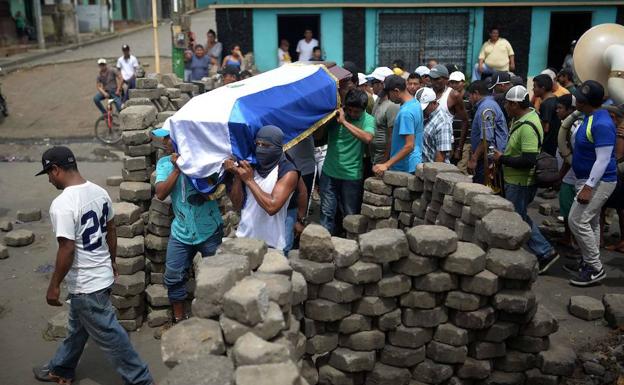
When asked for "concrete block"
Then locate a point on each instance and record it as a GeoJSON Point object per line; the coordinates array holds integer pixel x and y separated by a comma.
{"type": "Point", "coordinates": [431, 372]}
{"type": "Point", "coordinates": [340, 292]}
{"type": "Point", "coordinates": [275, 263]}
{"type": "Point", "coordinates": [157, 295]}
{"type": "Point", "coordinates": [403, 206]}
{"type": "Point", "coordinates": [6, 224]}
{"type": "Point", "coordinates": [253, 350]}
{"type": "Point", "coordinates": [138, 117]}
{"type": "Point", "coordinates": [396, 178]}
{"type": "Point", "coordinates": [511, 264]}
{"type": "Point", "coordinates": [129, 285]}
{"type": "Point", "coordinates": [478, 319]}
{"type": "Point", "coordinates": [247, 301]}
{"type": "Point", "coordinates": [402, 357]}
{"type": "Point", "coordinates": [326, 311]}
{"type": "Point", "coordinates": [431, 170]}
{"type": "Point", "coordinates": [535, 376]}
{"type": "Point", "coordinates": [432, 241]}
{"type": "Point", "coordinates": [435, 282]}
{"type": "Point", "coordinates": [150, 93]}
{"type": "Point", "coordinates": [383, 246]}
{"type": "Point", "coordinates": [19, 238]}
{"type": "Point", "coordinates": [426, 318]}
{"type": "Point", "coordinates": [468, 259]}
{"type": "Point", "coordinates": [131, 231]}
{"type": "Point", "coordinates": [465, 192]}
{"type": "Point", "coordinates": [354, 323]}
{"type": "Point", "coordinates": [135, 176]}
{"type": "Point", "coordinates": [484, 283]}
{"type": "Point", "coordinates": [191, 339]}
{"type": "Point", "coordinates": [390, 286]}
{"type": "Point", "coordinates": [451, 207]}
{"type": "Point", "coordinates": [528, 344]}
{"type": "Point", "coordinates": [139, 150]}
{"type": "Point", "coordinates": [28, 215]}
{"type": "Point", "coordinates": [445, 182]}
{"type": "Point", "coordinates": [499, 332]}
{"type": "Point", "coordinates": [389, 321]}
{"type": "Point", "coordinates": [57, 326]}
{"type": "Point", "coordinates": [407, 337]}
{"type": "Point", "coordinates": [376, 212]}
{"type": "Point", "coordinates": [135, 163]}
{"type": "Point", "coordinates": [268, 374]}
{"type": "Point", "coordinates": [464, 231]}
{"type": "Point", "coordinates": [450, 334]}
{"type": "Point", "coordinates": [364, 340]}
{"type": "Point", "coordinates": [614, 309]}
{"type": "Point", "coordinates": [207, 370]}
{"type": "Point", "coordinates": [352, 361]}
{"type": "Point", "coordinates": [462, 301]}
{"type": "Point", "coordinates": [146, 83]}
{"type": "Point", "coordinates": [415, 265]}
{"type": "Point", "coordinates": [487, 350]}
{"type": "Point", "coordinates": [376, 199]}
{"type": "Point", "coordinates": [356, 224]}
{"type": "Point", "coordinates": [135, 191]}
{"type": "Point", "coordinates": [128, 266]}
{"type": "Point", "coordinates": [504, 378]}
{"type": "Point", "coordinates": [347, 251]}
{"type": "Point", "coordinates": [328, 375]}
{"type": "Point", "coordinates": [446, 354]}
{"type": "Point", "coordinates": [467, 217]}
{"type": "Point", "coordinates": [270, 327]}
{"type": "Point", "coordinates": [358, 273]}
{"type": "Point", "coordinates": [321, 343]}
{"type": "Point", "coordinates": [374, 306]}
{"type": "Point", "coordinates": [299, 287]}
{"type": "Point", "coordinates": [388, 375]}
{"type": "Point", "coordinates": [4, 252]}
{"type": "Point", "coordinates": [158, 317]}
{"type": "Point", "coordinates": [314, 272]}
{"type": "Point", "coordinates": [253, 249]}
{"type": "Point", "coordinates": [121, 302]}
{"type": "Point", "coordinates": [514, 301]}
{"type": "Point", "coordinates": [316, 244]}
{"type": "Point", "coordinates": [482, 205]}
{"type": "Point", "coordinates": [474, 369]}
{"type": "Point", "coordinates": [420, 300]}
{"type": "Point", "coordinates": [130, 247]}
{"type": "Point", "coordinates": [558, 360]}
{"type": "Point", "coordinates": [586, 308]}
{"type": "Point", "coordinates": [126, 213]}
{"type": "Point", "coordinates": [514, 361]}
{"type": "Point", "coordinates": [503, 230]}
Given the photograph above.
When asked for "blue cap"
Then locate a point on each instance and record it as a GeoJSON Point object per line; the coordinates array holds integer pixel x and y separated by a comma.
{"type": "Point", "coordinates": [161, 132]}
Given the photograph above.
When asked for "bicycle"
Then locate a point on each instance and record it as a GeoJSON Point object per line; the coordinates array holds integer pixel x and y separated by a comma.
{"type": "Point", "coordinates": [107, 126]}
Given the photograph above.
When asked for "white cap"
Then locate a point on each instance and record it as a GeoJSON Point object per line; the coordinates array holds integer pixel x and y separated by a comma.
{"type": "Point", "coordinates": [361, 78]}
{"type": "Point", "coordinates": [101, 61]}
{"type": "Point", "coordinates": [550, 73]}
{"type": "Point", "coordinates": [380, 73]}
{"type": "Point", "coordinates": [516, 94]}
{"type": "Point", "coordinates": [422, 71]}
{"type": "Point", "coordinates": [457, 76]}
{"type": "Point", "coordinates": [425, 96]}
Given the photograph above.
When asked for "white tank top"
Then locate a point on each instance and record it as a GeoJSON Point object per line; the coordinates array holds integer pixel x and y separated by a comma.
{"type": "Point", "coordinates": [257, 223]}
{"type": "Point", "coordinates": [443, 101]}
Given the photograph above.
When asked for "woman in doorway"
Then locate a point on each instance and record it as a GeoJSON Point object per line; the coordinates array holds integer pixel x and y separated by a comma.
{"type": "Point", "coordinates": [234, 59]}
{"type": "Point", "coordinates": [214, 48]}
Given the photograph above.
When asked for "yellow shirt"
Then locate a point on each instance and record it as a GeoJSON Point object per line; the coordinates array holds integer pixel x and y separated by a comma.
{"type": "Point", "coordinates": [496, 55]}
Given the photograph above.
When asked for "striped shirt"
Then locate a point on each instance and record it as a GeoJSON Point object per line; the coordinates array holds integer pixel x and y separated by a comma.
{"type": "Point", "coordinates": [438, 135]}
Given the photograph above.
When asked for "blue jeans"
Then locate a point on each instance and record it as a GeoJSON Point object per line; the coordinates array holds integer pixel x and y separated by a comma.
{"type": "Point", "coordinates": [92, 315]}
{"type": "Point", "coordinates": [342, 194]}
{"type": "Point", "coordinates": [521, 197]}
{"type": "Point", "coordinates": [97, 99]}
{"type": "Point", "coordinates": [179, 259]}
{"type": "Point", "coordinates": [476, 75]}
{"type": "Point", "coordinates": [291, 219]}
{"type": "Point", "coordinates": [131, 84]}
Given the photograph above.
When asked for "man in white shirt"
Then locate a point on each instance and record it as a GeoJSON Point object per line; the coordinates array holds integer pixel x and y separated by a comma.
{"type": "Point", "coordinates": [127, 65]}
{"type": "Point", "coordinates": [82, 220]}
{"type": "Point", "coordinates": [306, 46]}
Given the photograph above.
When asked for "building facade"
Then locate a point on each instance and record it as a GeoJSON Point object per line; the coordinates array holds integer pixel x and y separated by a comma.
{"type": "Point", "coordinates": [372, 33]}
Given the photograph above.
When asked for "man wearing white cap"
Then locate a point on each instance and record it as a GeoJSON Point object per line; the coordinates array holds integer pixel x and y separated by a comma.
{"type": "Point", "coordinates": [438, 131]}
{"type": "Point", "coordinates": [525, 141]}
{"type": "Point", "coordinates": [423, 71]}
{"type": "Point", "coordinates": [108, 84]}
{"type": "Point", "coordinates": [385, 112]}
{"type": "Point", "coordinates": [457, 81]}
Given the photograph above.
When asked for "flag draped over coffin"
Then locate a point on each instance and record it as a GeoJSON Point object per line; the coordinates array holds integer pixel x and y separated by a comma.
{"type": "Point", "coordinates": [223, 123]}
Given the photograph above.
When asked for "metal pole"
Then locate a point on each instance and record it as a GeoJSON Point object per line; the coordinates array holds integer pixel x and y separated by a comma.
{"type": "Point", "coordinates": [111, 25]}
{"type": "Point", "coordinates": [155, 28]}
{"type": "Point", "coordinates": [39, 24]}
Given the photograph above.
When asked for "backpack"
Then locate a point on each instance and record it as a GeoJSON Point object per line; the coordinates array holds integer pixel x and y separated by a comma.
{"type": "Point", "coordinates": [546, 165]}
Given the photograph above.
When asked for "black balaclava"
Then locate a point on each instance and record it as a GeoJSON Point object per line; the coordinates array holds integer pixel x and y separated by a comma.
{"type": "Point", "coordinates": [269, 157]}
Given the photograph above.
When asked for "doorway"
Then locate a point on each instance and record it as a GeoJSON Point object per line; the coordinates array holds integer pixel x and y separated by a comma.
{"type": "Point", "coordinates": [565, 27]}
{"type": "Point", "coordinates": [291, 28]}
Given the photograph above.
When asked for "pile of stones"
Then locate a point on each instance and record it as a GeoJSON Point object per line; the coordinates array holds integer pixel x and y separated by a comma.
{"type": "Point", "coordinates": [164, 92]}
{"type": "Point", "coordinates": [18, 237]}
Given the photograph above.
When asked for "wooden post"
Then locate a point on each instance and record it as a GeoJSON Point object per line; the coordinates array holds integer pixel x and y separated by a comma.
{"type": "Point", "coordinates": [155, 29]}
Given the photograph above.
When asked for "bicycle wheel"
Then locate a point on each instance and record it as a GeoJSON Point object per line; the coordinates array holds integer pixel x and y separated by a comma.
{"type": "Point", "coordinates": [106, 134]}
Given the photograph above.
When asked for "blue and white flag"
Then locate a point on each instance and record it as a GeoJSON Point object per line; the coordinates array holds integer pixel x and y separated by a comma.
{"type": "Point", "coordinates": [223, 123]}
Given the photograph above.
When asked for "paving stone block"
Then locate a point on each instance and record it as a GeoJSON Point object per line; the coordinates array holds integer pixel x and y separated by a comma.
{"type": "Point", "coordinates": [406, 218]}
{"type": "Point", "coordinates": [354, 323]}
{"type": "Point", "coordinates": [270, 327]}
{"type": "Point", "coordinates": [481, 205]}
{"type": "Point", "coordinates": [450, 334]}
{"type": "Point", "coordinates": [374, 306]}
{"type": "Point", "coordinates": [347, 252]}
{"type": "Point", "coordinates": [129, 285]}
{"type": "Point", "coordinates": [536, 377]}
{"type": "Point", "coordinates": [138, 117]}
{"type": "Point", "coordinates": [152, 94]}
{"type": "Point", "coordinates": [462, 301]}
{"type": "Point", "coordinates": [504, 378]}
{"type": "Point", "coordinates": [157, 295]}
{"type": "Point", "coordinates": [529, 344]}
{"type": "Point", "coordinates": [432, 241]}
{"type": "Point", "coordinates": [156, 256]}
{"type": "Point", "coordinates": [6, 224]}
{"type": "Point", "coordinates": [558, 360]}
{"type": "Point", "coordinates": [158, 317]}
{"type": "Point", "coordinates": [28, 215]}
{"type": "Point", "coordinates": [468, 259]}
{"type": "Point", "coordinates": [396, 178]}
{"type": "Point", "coordinates": [4, 252]}
{"type": "Point", "coordinates": [467, 217]}
{"type": "Point", "coordinates": [390, 286]}
{"type": "Point", "coordinates": [586, 308]}
{"type": "Point", "coordinates": [465, 232]}
{"type": "Point", "coordinates": [135, 163]}
{"type": "Point", "coordinates": [420, 299]}
{"type": "Point", "coordinates": [446, 354]}
{"type": "Point", "coordinates": [432, 372]}
{"type": "Point", "coordinates": [484, 283]}
{"type": "Point", "coordinates": [130, 313]}
{"type": "Point", "coordinates": [415, 184]}
{"type": "Point", "coordinates": [253, 249]}
{"type": "Point", "coordinates": [247, 301]}
{"type": "Point", "coordinates": [135, 176]}
{"type": "Point", "coordinates": [356, 224]}
{"type": "Point", "coordinates": [139, 150]}
{"type": "Point", "coordinates": [377, 186]}
{"type": "Point", "coordinates": [130, 247]}
{"type": "Point", "coordinates": [253, 350]}
{"type": "Point", "coordinates": [275, 263]}
{"type": "Point", "coordinates": [154, 242]}
{"type": "Point", "coordinates": [514, 301]}
{"type": "Point", "coordinates": [326, 311]}
{"type": "Point", "coordinates": [383, 223]}
{"type": "Point", "coordinates": [328, 375]}
{"type": "Point", "coordinates": [487, 350]}
{"type": "Point", "coordinates": [514, 361]}
{"type": "Point", "coordinates": [157, 278]}
{"type": "Point", "coordinates": [407, 337]}
{"type": "Point", "coordinates": [415, 265]}
{"type": "Point", "coordinates": [402, 357]}
{"type": "Point", "coordinates": [316, 245]}
{"type": "Point", "coordinates": [364, 340]}
{"type": "Point", "coordinates": [352, 361]}
{"type": "Point", "coordinates": [190, 339]}
{"type": "Point", "coordinates": [426, 318]}
{"type": "Point", "coordinates": [445, 220]}
{"type": "Point", "coordinates": [389, 321]}
{"type": "Point", "coordinates": [340, 292]}
{"type": "Point", "coordinates": [131, 231]}
{"type": "Point", "coordinates": [207, 370]}
{"type": "Point", "coordinates": [163, 207]}
{"type": "Point", "coordinates": [474, 369]}
{"type": "Point", "coordinates": [121, 302]}
{"type": "Point", "coordinates": [504, 230]}
{"type": "Point", "coordinates": [139, 102]}
{"type": "Point", "coordinates": [376, 212]}
{"type": "Point", "coordinates": [451, 207]}
{"type": "Point", "coordinates": [388, 375]}
{"type": "Point", "coordinates": [128, 266]}
{"type": "Point", "coordinates": [146, 83]}
{"type": "Point", "coordinates": [299, 287]}
{"type": "Point", "coordinates": [465, 192]}
{"type": "Point", "coordinates": [436, 282]}
{"type": "Point", "coordinates": [614, 309]}
{"type": "Point", "coordinates": [135, 191]}
{"type": "Point", "coordinates": [19, 238]}
{"type": "Point", "coordinates": [478, 319]}
{"type": "Point", "coordinates": [404, 193]}
{"type": "Point", "coordinates": [511, 264]}
{"type": "Point", "coordinates": [357, 274]}
{"type": "Point", "coordinates": [418, 208]}
{"type": "Point", "coordinates": [431, 170]}
{"type": "Point", "coordinates": [57, 326]}
{"type": "Point", "coordinates": [268, 374]}
{"type": "Point", "coordinates": [499, 332]}
{"type": "Point", "coordinates": [314, 272]}
{"type": "Point", "coordinates": [157, 219]}
{"type": "Point", "coordinates": [377, 199]}
{"type": "Point", "coordinates": [445, 182]}
{"type": "Point", "coordinates": [383, 246]}
{"type": "Point", "coordinates": [131, 325]}
{"type": "Point", "coordinates": [519, 318]}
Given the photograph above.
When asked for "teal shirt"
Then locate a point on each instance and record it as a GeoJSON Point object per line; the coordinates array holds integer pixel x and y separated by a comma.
{"type": "Point", "coordinates": [195, 219]}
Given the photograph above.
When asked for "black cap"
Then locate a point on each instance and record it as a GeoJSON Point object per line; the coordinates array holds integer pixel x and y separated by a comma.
{"type": "Point", "coordinates": [590, 92]}
{"type": "Point", "coordinates": [230, 70]}
{"type": "Point", "coordinates": [56, 156]}
{"type": "Point", "coordinates": [501, 77]}
{"type": "Point", "coordinates": [394, 81]}
{"type": "Point", "coordinates": [125, 47]}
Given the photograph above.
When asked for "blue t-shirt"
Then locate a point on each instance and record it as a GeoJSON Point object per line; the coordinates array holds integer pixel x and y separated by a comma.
{"type": "Point", "coordinates": [199, 67]}
{"type": "Point", "coordinates": [409, 121]}
{"type": "Point", "coordinates": [496, 134]}
{"type": "Point", "coordinates": [603, 134]}
{"type": "Point", "coordinates": [195, 219]}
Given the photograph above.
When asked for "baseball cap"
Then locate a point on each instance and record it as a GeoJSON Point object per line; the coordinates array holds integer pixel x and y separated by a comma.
{"type": "Point", "coordinates": [394, 81]}
{"type": "Point", "coordinates": [439, 71]}
{"type": "Point", "coordinates": [550, 73]}
{"type": "Point", "coordinates": [101, 61]}
{"type": "Point", "coordinates": [161, 132]}
{"type": "Point", "coordinates": [425, 96]}
{"type": "Point", "coordinates": [457, 76]}
{"type": "Point", "coordinates": [361, 79]}
{"type": "Point", "coordinates": [125, 47]}
{"type": "Point", "coordinates": [380, 73]}
{"type": "Point", "coordinates": [516, 94]}
{"type": "Point", "coordinates": [56, 156]}
{"type": "Point", "coordinates": [422, 71]}
{"type": "Point", "coordinates": [590, 92]}
{"type": "Point", "coordinates": [500, 78]}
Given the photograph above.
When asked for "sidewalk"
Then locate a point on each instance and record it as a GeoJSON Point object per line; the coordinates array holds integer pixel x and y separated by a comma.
{"type": "Point", "coordinates": [14, 62]}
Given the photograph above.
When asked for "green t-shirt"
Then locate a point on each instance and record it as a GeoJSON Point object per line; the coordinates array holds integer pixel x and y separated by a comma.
{"type": "Point", "coordinates": [345, 152]}
{"type": "Point", "coordinates": [522, 138]}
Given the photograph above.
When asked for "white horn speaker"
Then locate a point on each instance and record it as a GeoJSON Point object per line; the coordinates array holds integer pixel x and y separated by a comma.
{"type": "Point", "coordinates": [599, 55]}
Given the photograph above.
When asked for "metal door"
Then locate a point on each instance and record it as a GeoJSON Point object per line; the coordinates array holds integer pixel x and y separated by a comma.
{"type": "Point", "coordinates": [418, 37]}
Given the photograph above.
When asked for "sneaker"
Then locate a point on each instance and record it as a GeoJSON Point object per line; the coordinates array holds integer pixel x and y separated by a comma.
{"type": "Point", "coordinates": [574, 268]}
{"type": "Point", "coordinates": [588, 276]}
{"type": "Point", "coordinates": [547, 261]}
{"type": "Point", "coordinates": [43, 373]}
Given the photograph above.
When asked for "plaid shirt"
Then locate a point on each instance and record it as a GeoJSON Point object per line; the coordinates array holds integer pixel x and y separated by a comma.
{"type": "Point", "coordinates": [438, 135]}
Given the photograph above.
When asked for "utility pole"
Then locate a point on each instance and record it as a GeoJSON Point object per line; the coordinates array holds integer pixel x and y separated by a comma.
{"type": "Point", "coordinates": [178, 41]}
{"type": "Point", "coordinates": [38, 23]}
{"type": "Point", "coordinates": [155, 28]}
